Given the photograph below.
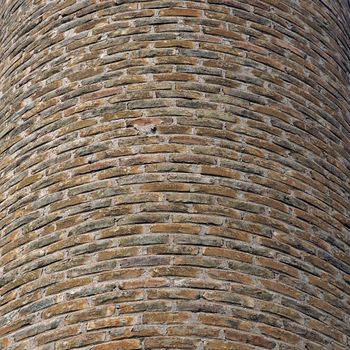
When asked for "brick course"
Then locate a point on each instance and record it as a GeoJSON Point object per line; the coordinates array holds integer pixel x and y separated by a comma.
{"type": "Point", "coordinates": [174, 174]}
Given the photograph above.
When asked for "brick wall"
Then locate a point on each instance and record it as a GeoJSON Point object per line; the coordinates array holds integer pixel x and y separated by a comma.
{"type": "Point", "coordinates": [174, 174]}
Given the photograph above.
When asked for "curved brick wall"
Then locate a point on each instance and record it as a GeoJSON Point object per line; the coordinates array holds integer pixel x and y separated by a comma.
{"type": "Point", "coordinates": [174, 174]}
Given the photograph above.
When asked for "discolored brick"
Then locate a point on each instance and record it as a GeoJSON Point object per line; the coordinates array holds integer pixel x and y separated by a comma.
{"type": "Point", "coordinates": [174, 174]}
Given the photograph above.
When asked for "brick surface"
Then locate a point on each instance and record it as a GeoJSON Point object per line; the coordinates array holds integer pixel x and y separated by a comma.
{"type": "Point", "coordinates": [174, 174]}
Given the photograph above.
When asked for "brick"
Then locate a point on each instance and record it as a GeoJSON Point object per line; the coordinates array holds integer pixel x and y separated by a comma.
{"type": "Point", "coordinates": [66, 203]}
{"type": "Point", "coordinates": [85, 74]}
{"type": "Point", "coordinates": [176, 271]}
{"type": "Point", "coordinates": [57, 335]}
{"type": "Point", "coordinates": [79, 341]}
{"type": "Point", "coordinates": [138, 331]}
{"type": "Point", "coordinates": [176, 228]}
{"type": "Point", "coordinates": [280, 334]}
{"type": "Point", "coordinates": [10, 328]}
{"type": "Point", "coordinates": [64, 285]}
{"type": "Point", "coordinates": [176, 293]}
{"type": "Point", "coordinates": [175, 43]}
{"type": "Point", "coordinates": [149, 283]}
{"type": "Point", "coordinates": [90, 314]}
{"type": "Point", "coordinates": [145, 306]}
{"type": "Point", "coordinates": [5, 342]}
{"type": "Point", "coordinates": [120, 274]}
{"type": "Point", "coordinates": [26, 278]}
{"type": "Point", "coordinates": [175, 77]}
{"type": "Point", "coordinates": [256, 340]}
{"type": "Point", "coordinates": [229, 254]}
{"type": "Point", "coordinates": [281, 288]}
{"type": "Point", "coordinates": [128, 344]}
{"type": "Point", "coordinates": [329, 331]}
{"type": "Point", "coordinates": [34, 330]}
{"type": "Point", "coordinates": [222, 172]}
{"type": "Point", "coordinates": [187, 330]}
{"type": "Point", "coordinates": [180, 12]}
{"type": "Point", "coordinates": [64, 308]}
{"type": "Point", "coordinates": [225, 345]}
{"type": "Point", "coordinates": [161, 318]}
{"type": "Point", "coordinates": [119, 297]}
{"type": "Point", "coordinates": [118, 253]}
{"type": "Point", "coordinates": [170, 343]}
{"type": "Point", "coordinates": [278, 266]}
{"type": "Point", "coordinates": [112, 322]}
{"type": "Point", "coordinates": [174, 175]}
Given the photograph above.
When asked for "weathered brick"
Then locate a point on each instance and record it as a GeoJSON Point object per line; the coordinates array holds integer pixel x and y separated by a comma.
{"type": "Point", "coordinates": [64, 308]}
{"type": "Point", "coordinates": [90, 314]}
{"type": "Point", "coordinates": [121, 321]}
{"type": "Point", "coordinates": [68, 284]}
{"type": "Point", "coordinates": [84, 74]}
{"type": "Point", "coordinates": [162, 318]}
{"type": "Point", "coordinates": [163, 306]}
{"type": "Point", "coordinates": [170, 343]}
{"type": "Point", "coordinates": [225, 345]}
{"type": "Point", "coordinates": [57, 335]}
{"type": "Point", "coordinates": [280, 334]}
{"type": "Point", "coordinates": [250, 339]}
{"type": "Point", "coordinates": [128, 344]}
{"type": "Point", "coordinates": [174, 174]}
{"type": "Point", "coordinates": [180, 12]}
{"type": "Point", "coordinates": [79, 341]}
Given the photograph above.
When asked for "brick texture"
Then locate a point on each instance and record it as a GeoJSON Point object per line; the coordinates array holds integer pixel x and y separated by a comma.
{"type": "Point", "coordinates": [174, 174]}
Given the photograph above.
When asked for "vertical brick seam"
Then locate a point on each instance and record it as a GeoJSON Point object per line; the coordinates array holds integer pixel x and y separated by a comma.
{"type": "Point", "coordinates": [174, 174]}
